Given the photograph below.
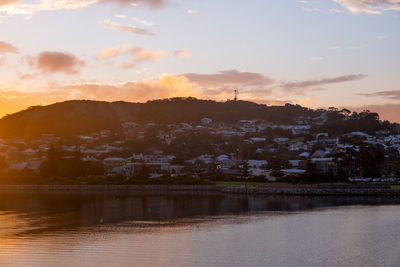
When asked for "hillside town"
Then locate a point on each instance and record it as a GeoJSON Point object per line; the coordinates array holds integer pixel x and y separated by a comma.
{"type": "Point", "coordinates": [212, 150]}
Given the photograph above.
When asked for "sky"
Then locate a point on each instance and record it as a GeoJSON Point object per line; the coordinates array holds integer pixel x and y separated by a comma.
{"type": "Point", "coordinates": [341, 53]}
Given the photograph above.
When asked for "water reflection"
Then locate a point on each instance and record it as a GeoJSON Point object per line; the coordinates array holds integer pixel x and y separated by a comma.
{"type": "Point", "coordinates": [196, 230]}
{"type": "Point", "coordinates": [23, 214]}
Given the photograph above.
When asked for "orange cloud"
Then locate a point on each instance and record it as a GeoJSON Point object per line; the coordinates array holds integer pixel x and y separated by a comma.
{"type": "Point", "coordinates": [7, 48]}
{"type": "Point", "coordinates": [142, 54]}
{"type": "Point", "coordinates": [8, 2]}
{"type": "Point", "coordinates": [51, 62]}
{"type": "Point", "coordinates": [138, 54]}
{"type": "Point", "coordinates": [112, 25]}
{"type": "Point", "coordinates": [110, 52]}
{"type": "Point", "coordinates": [12, 99]}
{"type": "Point", "coordinates": [139, 91]}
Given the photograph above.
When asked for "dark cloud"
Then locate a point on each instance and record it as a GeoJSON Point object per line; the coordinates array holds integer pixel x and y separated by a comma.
{"type": "Point", "coordinates": [393, 95]}
{"type": "Point", "coordinates": [230, 78]}
{"type": "Point", "coordinates": [317, 84]}
{"type": "Point", "coordinates": [51, 62]}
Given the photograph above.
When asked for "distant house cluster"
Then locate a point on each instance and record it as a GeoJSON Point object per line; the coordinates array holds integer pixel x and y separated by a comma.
{"type": "Point", "coordinates": [244, 149]}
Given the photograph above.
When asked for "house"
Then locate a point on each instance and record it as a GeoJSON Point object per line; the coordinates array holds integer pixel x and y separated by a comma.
{"type": "Point", "coordinates": [115, 166]}
{"type": "Point", "coordinates": [301, 129]}
{"type": "Point", "coordinates": [206, 121]}
{"type": "Point", "coordinates": [304, 155]}
{"type": "Point", "coordinates": [292, 171]}
{"type": "Point", "coordinates": [206, 159]}
{"type": "Point", "coordinates": [321, 135]}
{"type": "Point", "coordinates": [224, 162]}
{"type": "Point", "coordinates": [257, 163]}
{"type": "Point", "coordinates": [281, 140]}
{"type": "Point", "coordinates": [258, 139]}
{"type": "Point", "coordinates": [87, 138]}
{"type": "Point", "coordinates": [325, 165]}
{"type": "Point", "coordinates": [319, 154]}
{"type": "Point", "coordinates": [295, 163]}
{"type": "Point", "coordinates": [260, 172]}
{"type": "Point", "coordinates": [154, 168]}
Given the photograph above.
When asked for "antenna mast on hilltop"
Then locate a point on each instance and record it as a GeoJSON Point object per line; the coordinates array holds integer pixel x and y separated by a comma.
{"type": "Point", "coordinates": [236, 94]}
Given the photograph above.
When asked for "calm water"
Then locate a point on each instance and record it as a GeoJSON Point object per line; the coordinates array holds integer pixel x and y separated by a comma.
{"type": "Point", "coordinates": [189, 230]}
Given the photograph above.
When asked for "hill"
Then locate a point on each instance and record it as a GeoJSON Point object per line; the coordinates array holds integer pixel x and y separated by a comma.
{"type": "Point", "coordinates": [84, 117]}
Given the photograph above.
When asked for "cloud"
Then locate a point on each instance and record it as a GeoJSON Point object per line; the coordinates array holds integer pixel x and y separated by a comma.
{"type": "Point", "coordinates": [7, 48]}
{"type": "Point", "coordinates": [29, 7]}
{"type": "Point", "coordinates": [52, 62]}
{"type": "Point", "coordinates": [220, 86]}
{"type": "Point", "coordinates": [126, 28]}
{"type": "Point", "coordinates": [149, 3]}
{"type": "Point", "coordinates": [343, 48]}
{"type": "Point", "coordinates": [138, 54]}
{"type": "Point", "coordinates": [316, 84]}
{"type": "Point", "coordinates": [230, 78]}
{"type": "Point", "coordinates": [27, 76]}
{"type": "Point", "coordinates": [140, 91]}
{"type": "Point", "coordinates": [311, 9]}
{"type": "Point", "coordinates": [110, 52]}
{"type": "Point", "coordinates": [12, 100]}
{"type": "Point", "coordinates": [393, 95]}
{"type": "Point", "coordinates": [309, 102]}
{"type": "Point", "coordinates": [183, 54]}
{"type": "Point", "coordinates": [317, 58]}
{"type": "Point", "coordinates": [144, 22]}
{"type": "Point", "coordinates": [166, 86]}
{"type": "Point", "coordinates": [369, 6]}
{"type": "Point", "coordinates": [24, 7]}
{"type": "Point", "coordinates": [256, 85]}
{"type": "Point", "coordinates": [120, 16]}
{"type": "Point", "coordinates": [192, 12]}
{"type": "Point", "coordinates": [7, 2]}
{"type": "Point", "coordinates": [335, 10]}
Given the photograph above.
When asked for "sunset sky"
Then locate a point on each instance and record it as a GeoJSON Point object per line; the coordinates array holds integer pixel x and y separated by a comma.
{"type": "Point", "coordinates": [342, 53]}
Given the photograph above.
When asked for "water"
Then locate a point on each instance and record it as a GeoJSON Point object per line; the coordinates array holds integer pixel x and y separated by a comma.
{"type": "Point", "coordinates": [197, 230]}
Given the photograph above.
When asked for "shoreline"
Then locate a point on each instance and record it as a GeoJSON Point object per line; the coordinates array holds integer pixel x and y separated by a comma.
{"type": "Point", "coordinates": [270, 189]}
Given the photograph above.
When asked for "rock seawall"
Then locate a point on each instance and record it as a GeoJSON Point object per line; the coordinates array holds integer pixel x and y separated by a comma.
{"type": "Point", "coordinates": [268, 189]}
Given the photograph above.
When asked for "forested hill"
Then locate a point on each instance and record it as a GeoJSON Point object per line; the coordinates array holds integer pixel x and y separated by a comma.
{"type": "Point", "coordinates": [83, 116]}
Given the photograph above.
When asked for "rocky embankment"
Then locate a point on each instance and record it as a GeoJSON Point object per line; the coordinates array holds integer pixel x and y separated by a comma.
{"type": "Point", "coordinates": [317, 190]}
{"type": "Point", "coordinates": [267, 189]}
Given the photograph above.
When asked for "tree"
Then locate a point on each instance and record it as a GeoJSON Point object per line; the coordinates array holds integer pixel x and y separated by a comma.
{"type": "Point", "coordinates": [371, 158]}
{"type": "Point", "coordinates": [244, 169]}
{"type": "Point", "coordinates": [51, 166]}
{"type": "Point", "coordinates": [57, 165]}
